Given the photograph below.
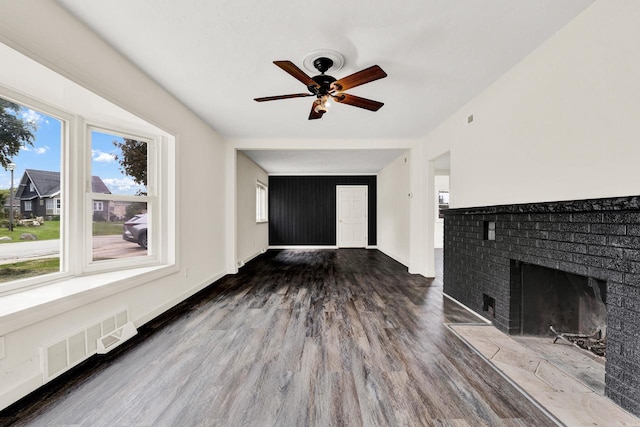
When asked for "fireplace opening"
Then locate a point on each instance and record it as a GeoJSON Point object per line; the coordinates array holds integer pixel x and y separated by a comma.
{"type": "Point", "coordinates": [563, 305]}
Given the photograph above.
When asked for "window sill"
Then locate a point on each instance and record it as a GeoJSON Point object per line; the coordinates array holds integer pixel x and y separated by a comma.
{"type": "Point", "coordinates": [23, 308]}
{"type": "Point", "coordinates": [262, 222]}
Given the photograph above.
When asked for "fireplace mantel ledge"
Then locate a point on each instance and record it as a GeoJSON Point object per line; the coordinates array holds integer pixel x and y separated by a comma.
{"type": "Point", "coordinates": [626, 203]}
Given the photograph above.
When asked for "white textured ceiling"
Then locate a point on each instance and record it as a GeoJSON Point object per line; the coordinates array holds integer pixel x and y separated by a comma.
{"type": "Point", "coordinates": [216, 56]}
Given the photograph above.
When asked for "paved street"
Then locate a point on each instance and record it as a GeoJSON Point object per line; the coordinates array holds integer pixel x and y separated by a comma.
{"type": "Point", "coordinates": [11, 252]}
{"type": "Point", "coordinates": [104, 247]}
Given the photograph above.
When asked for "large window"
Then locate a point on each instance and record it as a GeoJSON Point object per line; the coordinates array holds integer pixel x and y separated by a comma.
{"type": "Point", "coordinates": [30, 159]}
{"type": "Point", "coordinates": [94, 196]}
{"type": "Point", "coordinates": [261, 202]}
{"type": "Point", "coordinates": [120, 179]}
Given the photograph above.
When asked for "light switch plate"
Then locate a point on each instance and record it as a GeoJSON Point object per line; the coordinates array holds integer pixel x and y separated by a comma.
{"type": "Point", "coordinates": [2, 354]}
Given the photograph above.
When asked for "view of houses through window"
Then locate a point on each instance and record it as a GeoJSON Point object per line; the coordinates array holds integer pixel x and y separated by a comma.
{"type": "Point", "coordinates": [120, 224]}
{"type": "Point", "coordinates": [32, 194]}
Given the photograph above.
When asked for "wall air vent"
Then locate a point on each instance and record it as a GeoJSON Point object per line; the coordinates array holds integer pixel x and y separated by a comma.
{"type": "Point", "coordinates": [98, 337]}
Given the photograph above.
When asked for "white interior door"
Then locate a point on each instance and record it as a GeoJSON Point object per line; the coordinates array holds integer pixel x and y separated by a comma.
{"type": "Point", "coordinates": [352, 216]}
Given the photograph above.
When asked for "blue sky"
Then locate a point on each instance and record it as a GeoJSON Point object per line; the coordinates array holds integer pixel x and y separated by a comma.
{"type": "Point", "coordinates": [45, 155]}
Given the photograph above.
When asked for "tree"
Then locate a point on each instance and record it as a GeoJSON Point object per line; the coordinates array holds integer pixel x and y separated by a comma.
{"type": "Point", "coordinates": [4, 196]}
{"type": "Point", "coordinates": [14, 131]}
{"type": "Point", "coordinates": [134, 209]}
{"type": "Point", "coordinates": [133, 161]}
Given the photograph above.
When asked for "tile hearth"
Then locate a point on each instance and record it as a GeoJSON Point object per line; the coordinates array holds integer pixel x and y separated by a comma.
{"type": "Point", "coordinates": [569, 400]}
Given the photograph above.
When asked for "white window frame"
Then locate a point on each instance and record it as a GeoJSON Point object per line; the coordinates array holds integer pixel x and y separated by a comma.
{"type": "Point", "coordinates": [98, 206]}
{"type": "Point", "coordinates": [262, 202]}
{"type": "Point", "coordinates": [27, 206]}
{"type": "Point", "coordinates": [155, 254]}
{"type": "Point", "coordinates": [76, 232]}
{"type": "Point", "coordinates": [67, 139]}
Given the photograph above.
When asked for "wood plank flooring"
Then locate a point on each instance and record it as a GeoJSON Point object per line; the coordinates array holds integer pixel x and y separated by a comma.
{"type": "Point", "coordinates": [297, 338]}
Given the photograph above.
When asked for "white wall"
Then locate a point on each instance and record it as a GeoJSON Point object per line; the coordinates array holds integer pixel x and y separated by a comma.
{"type": "Point", "coordinates": [561, 125]}
{"type": "Point", "coordinates": [393, 209]}
{"type": "Point", "coordinates": [252, 238]}
{"type": "Point", "coordinates": [45, 32]}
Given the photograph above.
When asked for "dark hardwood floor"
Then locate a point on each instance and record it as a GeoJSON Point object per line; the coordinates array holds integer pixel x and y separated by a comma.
{"type": "Point", "coordinates": [297, 338]}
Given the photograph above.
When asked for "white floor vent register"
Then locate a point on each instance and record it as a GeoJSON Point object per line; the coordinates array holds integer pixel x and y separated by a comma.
{"type": "Point", "coordinates": [99, 338]}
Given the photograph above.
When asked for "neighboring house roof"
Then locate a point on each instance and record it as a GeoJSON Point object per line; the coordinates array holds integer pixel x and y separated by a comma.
{"type": "Point", "coordinates": [98, 186]}
{"type": "Point", "coordinates": [47, 183]}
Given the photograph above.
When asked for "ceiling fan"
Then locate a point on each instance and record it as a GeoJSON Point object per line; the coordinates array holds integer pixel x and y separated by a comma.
{"type": "Point", "coordinates": [325, 87]}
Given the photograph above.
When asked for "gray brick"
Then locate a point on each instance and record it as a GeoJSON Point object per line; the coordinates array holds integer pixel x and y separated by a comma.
{"type": "Point", "coordinates": [621, 217]}
{"type": "Point", "coordinates": [624, 242]}
{"type": "Point", "coordinates": [547, 244]}
{"type": "Point", "coordinates": [572, 247]}
{"type": "Point", "coordinates": [619, 264]}
{"type": "Point", "coordinates": [577, 227]}
{"type": "Point", "coordinates": [603, 274]}
{"type": "Point", "coordinates": [609, 229]}
{"type": "Point", "coordinates": [587, 217]}
{"type": "Point", "coordinates": [633, 230]}
{"type": "Point", "coordinates": [570, 267]}
{"type": "Point", "coordinates": [538, 217]}
{"type": "Point", "coordinates": [590, 239]}
{"type": "Point", "coordinates": [561, 236]}
{"type": "Point", "coordinates": [606, 251]}
{"type": "Point", "coordinates": [588, 260]}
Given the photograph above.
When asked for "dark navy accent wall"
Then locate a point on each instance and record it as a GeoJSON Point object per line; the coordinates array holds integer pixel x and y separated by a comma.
{"type": "Point", "coordinates": [302, 209]}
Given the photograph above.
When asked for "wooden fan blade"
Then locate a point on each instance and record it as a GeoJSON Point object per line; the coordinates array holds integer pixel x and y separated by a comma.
{"type": "Point", "coordinates": [296, 72]}
{"type": "Point", "coordinates": [316, 114]}
{"type": "Point", "coordinates": [274, 98]}
{"type": "Point", "coordinates": [356, 101]}
{"type": "Point", "coordinates": [361, 77]}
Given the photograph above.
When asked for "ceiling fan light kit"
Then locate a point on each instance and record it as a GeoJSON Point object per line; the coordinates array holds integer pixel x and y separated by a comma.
{"type": "Point", "coordinates": [325, 87]}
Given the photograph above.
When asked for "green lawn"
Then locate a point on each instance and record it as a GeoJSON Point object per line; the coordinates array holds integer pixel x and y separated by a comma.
{"type": "Point", "coordinates": [49, 230]}
{"type": "Point", "coordinates": [107, 228]}
{"type": "Point", "coordinates": [24, 269]}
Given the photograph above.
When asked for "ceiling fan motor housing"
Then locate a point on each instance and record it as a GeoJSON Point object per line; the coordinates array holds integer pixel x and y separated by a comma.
{"type": "Point", "coordinates": [324, 81]}
{"type": "Point", "coordinates": [322, 64]}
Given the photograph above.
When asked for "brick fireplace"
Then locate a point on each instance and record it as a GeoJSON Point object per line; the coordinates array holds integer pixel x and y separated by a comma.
{"type": "Point", "coordinates": [592, 246]}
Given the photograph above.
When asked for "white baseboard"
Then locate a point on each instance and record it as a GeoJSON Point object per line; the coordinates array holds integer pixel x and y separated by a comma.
{"type": "Point", "coordinates": [13, 395]}
{"type": "Point", "coordinates": [372, 247]}
{"type": "Point", "coordinates": [242, 262]}
{"type": "Point", "coordinates": [303, 247]}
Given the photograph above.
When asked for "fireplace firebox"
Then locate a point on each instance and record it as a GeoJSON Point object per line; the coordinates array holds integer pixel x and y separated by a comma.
{"type": "Point", "coordinates": [567, 302]}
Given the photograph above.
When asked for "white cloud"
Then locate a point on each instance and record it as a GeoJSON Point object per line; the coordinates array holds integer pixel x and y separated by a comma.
{"type": "Point", "coordinates": [122, 185]}
{"type": "Point", "coordinates": [37, 150]}
{"type": "Point", "coordinates": [102, 157]}
{"type": "Point", "coordinates": [31, 116]}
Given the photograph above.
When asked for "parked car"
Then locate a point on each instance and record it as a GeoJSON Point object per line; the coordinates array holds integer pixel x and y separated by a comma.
{"type": "Point", "coordinates": [135, 230]}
